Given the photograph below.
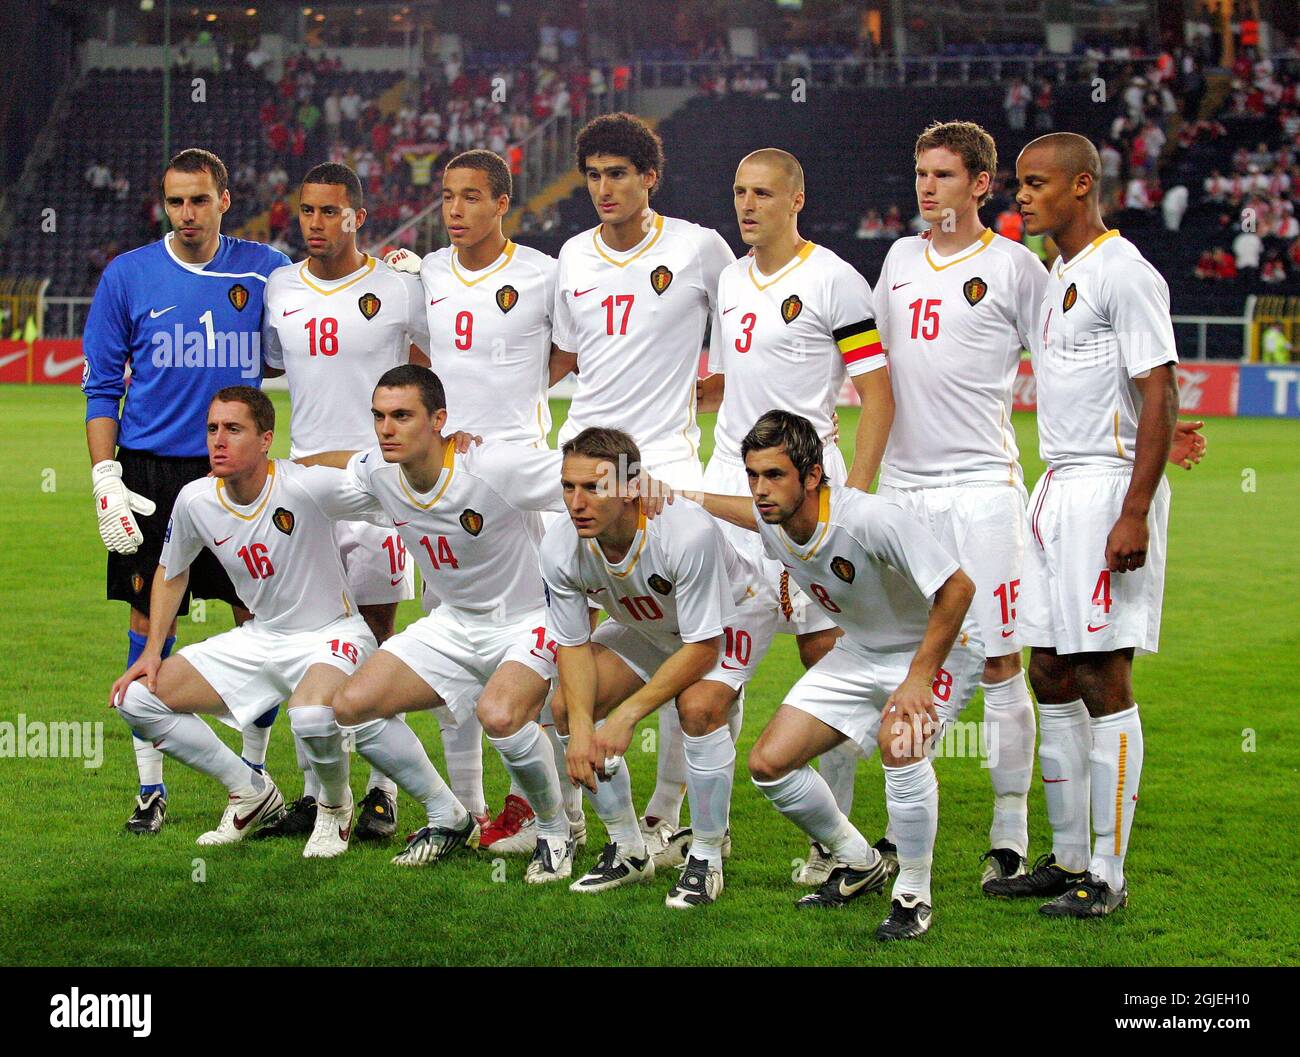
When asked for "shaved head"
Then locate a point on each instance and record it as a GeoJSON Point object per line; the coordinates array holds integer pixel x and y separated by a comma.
{"type": "Point", "coordinates": [782, 160]}
{"type": "Point", "coordinates": [1069, 153]}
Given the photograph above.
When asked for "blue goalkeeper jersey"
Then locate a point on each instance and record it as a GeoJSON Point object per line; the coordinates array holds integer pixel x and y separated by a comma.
{"type": "Point", "coordinates": [187, 331]}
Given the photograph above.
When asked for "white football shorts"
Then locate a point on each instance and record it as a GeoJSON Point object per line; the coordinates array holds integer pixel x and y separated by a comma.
{"type": "Point", "coordinates": [1069, 601]}
{"type": "Point", "coordinates": [254, 669]}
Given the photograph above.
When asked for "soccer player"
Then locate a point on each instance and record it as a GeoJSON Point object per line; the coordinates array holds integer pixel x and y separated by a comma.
{"type": "Point", "coordinates": [1105, 363]}
{"type": "Point", "coordinates": [489, 303]}
{"type": "Point", "coordinates": [900, 599]}
{"type": "Point", "coordinates": [792, 320]}
{"type": "Point", "coordinates": [269, 523]}
{"type": "Point", "coordinates": [470, 519]}
{"type": "Point", "coordinates": [333, 324]}
{"type": "Point", "coordinates": [185, 313]}
{"type": "Point", "coordinates": [689, 620]}
{"type": "Point", "coordinates": [633, 300]}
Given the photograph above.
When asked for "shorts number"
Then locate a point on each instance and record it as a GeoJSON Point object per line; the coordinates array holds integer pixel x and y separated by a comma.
{"type": "Point", "coordinates": [1007, 594]}
{"type": "Point", "coordinates": [257, 560]}
{"type": "Point", "coordinates": [345, 650]}
{"type": "Point", "coordinates": [819, 592]}
{"type": "Point", "coordinates": [740, 646]}
{"type": "Point", "coordinates": [396, 554]}
{"type": "Point", "coordinates": [925, 318]}
{"type": "Point", "coordinates": [327, 344]}
{"type": "Point", "coordinates": [747, 322]}
{"type": "Point", "coordinates": [625, 302]}
{"type": "Point", "coordinates": [543, 643]}
{"type": "Point", "coordinates": [443, 555]}
{"type": "Point", "coordinates": [1101, 593]}
{"type": "Point", "coordinates": [942, 685]}
{"type": "Point", "coordinates": [642, 607]}
{"type": "Point", "coordinates": [464, 330]}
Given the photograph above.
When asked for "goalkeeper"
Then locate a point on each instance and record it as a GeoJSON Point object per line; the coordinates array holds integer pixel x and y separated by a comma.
{"type": "Point", "coordinates": [185, 313]}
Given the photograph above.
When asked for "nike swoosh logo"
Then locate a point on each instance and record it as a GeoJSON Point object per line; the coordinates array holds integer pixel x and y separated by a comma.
{"type": "Point", "coordinates": [438, 300]}
{"type": "Point", "coordinates": [55, 367]}
{"type": "Point", "coordinates": [731, 309]}
{"type": "Point", "coordinates": [394, 583]}
{"type": "Point", "coordinates": [579, 293]}
{"type": "Point", "coordinates": [154, 313]}
{"type": "Point", "coordinates": [848, 890]}
{"type": "Point", "coordinates": [899, 286]}
{"type": "Point", "coordinates": [733, 667]}
{"type": "Point", "coordinates": [7, 360]}
{"type": "Point", "coordinates": [1008, 634]}
{"type": "Point", "coordinates": [240, 823]}
{"type": "Point", "coordinates": [344, 834]}
{"type": "Point", "coordinates": [1053, 781]}
{"type": "Point", "coordinates": [220, 542]}
{"type": "Point", "coordinates": [287, 312]}
{"type": "Point", "coordinates": [396, 524]}
{"type": "Point", "coordinates": [1099, 627]}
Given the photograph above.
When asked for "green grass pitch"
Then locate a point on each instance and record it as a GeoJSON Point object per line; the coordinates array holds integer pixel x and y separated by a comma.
{"type": "Point", "coordinates": [1208, 869]}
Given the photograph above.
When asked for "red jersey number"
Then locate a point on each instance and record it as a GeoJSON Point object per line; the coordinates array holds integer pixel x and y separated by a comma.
{"type": "Point", "coordinates": [325, 340]}
{"type": "Point", "coordinates": [925, 318]}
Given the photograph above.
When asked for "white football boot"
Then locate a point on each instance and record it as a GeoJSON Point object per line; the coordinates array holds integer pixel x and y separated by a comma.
{"type": "Point", "coordinates": [679, 846]}
{"type": "Point", "coordinates": [552, 861]}
{"type": "Point", "coordinates": [332, 832]}
{"type": "Point", "coordinates": [699, 885]}
{"type": "Point", "coordinates": [816, 868]}
{"type": "Point", "coordinates": [243, 813]}
{"type": "Point", "coordinates": [658, 838]}
{"type": "Point", "coordinates": [614, 869]}
{"type": "Point", "coordinates": [432, 843]}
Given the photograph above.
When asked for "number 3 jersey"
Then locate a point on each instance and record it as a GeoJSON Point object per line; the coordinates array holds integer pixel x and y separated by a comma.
{"type": "Point", "coordinates": [680, 580]}
{"type": "Point", "coordinates": [474, 532]}
{"type": "Point", "coordinates": [872, 568]}
{"type": "Point", "coordinates": [278, 550]}
{"type": "Point", "coordinates": [333, 339]}
{"type": "Point", "coordinates": [953, 328]}
{"type": "Point", "coordinates": [636, 322]}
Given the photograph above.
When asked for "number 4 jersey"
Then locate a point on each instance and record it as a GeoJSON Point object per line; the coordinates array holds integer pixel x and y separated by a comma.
{"type": "Point", "coordinates": [278, 550]}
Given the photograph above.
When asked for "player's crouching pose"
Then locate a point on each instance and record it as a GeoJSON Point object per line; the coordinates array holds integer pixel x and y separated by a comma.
{"type": "Point", "coordinates": [470, 520]}
{"type": "Point", "coordinates": [690, 619]}
{"type": "Point", "coordinates": [900, 599]}
{"type": "Point", "coordinates": [269, 524]}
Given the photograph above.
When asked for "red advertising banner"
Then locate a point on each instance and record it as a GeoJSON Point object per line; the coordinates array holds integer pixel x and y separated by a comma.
{"type": "Point", "coordinates": [1204, 388]}
{"type": "Point", "coordinates": [41, 362]}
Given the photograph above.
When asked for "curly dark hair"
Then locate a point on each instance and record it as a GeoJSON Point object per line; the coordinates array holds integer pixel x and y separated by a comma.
{"type": "Point", "coordinates": [623, 136]}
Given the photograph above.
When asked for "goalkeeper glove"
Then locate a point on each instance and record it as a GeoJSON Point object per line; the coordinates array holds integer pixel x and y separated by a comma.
{"type": "Point", "coordinates": [116, 506]}
{"type": "Point", "coordinates": [403, 261]}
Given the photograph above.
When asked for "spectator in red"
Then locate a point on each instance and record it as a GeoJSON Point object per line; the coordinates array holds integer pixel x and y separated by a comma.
{"type": "Point", "coordinates": [1225, 265]}
{"type": "Point", "coordinates": [1206, 265]}
{"type": "Point", "coordinates": [379, 137]}
{"type": "Point", "coordinates": [1010, 225]}
{"type": "Point", "coordinates": [278, 136]}
{"type": "Point", "coordinates": [279, 217]}
{"type": "Point", "coordinates": [299, 144]}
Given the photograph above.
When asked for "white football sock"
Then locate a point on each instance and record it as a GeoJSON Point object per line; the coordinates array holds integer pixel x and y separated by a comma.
{"type": "Point", "coordinates": [1116, 765]}
{"type": "Point", "coordinates": [394, 748]}
{"type": "Point", "coordinates": [148, 761]}
{"type": "Point", "coordinates": [256, 740]}
{"type": "Point", "coordinates": [670, 769]}
{"type": "Point", "coordinates": [1009, 730]}
{"type": "Point", "coordinates": [710, 773]}
{"type": "Point", "coordinates": [805, 799]}
{"type": "Point", "coordinates": [839, 769]}
{"type": "Point", "coordinates": [531, 763]}
{"type": "Point", "coordinates": [912, 797]}
{"type": "Point", "coordinates": [613, 803]}
{"type": "Point", "coordinates": [462, 748]}
{"type": "Point", "coordinates": [379, 780]}
{"type": "Point", "coordinates": [570, 794]}
{"type": "Point", "coordinates": [1064, 742]}
{"type": "Point", "coordinates": [187, 738]}
{"type": "Point", "coordinates": [314, 728]}
{"type": "Point", "coordinates": [310, 783]}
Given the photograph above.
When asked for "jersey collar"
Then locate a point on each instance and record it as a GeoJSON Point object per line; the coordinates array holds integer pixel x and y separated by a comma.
{"type": "Point", "coordinates": [337, 285]}
{"type": "Point", "coordinates": [808, 550]}
{"type": "Point", "coordinates": [167, 245]}
{"type": "Point", "coordinates": [440, 486]}
{"type": "Point", "coordinates": [633, 555]}
{"type": "Point", "coordinates": [256, 506]}
{"type": "Point", "coordinates": [469, 278]}
{"type": "Point", "coordinates": [1087, 251]}
{"type": "Point", "coordinates": [623, 259]}
{"type": "Point", "coordinates": [767, 280]}
{"type": "Point", "coordinates": [977, 247]}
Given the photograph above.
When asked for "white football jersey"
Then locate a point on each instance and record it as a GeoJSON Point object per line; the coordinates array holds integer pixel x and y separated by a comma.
{"type": "Point", "coordinates": [474, 533]}
{"type": "Point", "coordinates": [1105, 321]}
{"type": "Point", "coordinates": [872, 568]}
{"type": "Point", "coordinates": [636, 321]}
{"type": "Point", "coordinates": [490, 341]}
{"type": "Point", "coordinates": [786, 340]}
{"type": "Point", "coordinates": [953, 328]}
{"type": "Point", "coordinates": [679, 582]}
{"type": "Point", "coordinates": [278, 550]}
{"type": "Point", "coordinates": [334, 339]}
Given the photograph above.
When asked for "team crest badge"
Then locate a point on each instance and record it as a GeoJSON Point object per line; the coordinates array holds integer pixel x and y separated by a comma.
{"type": "Point", "coordinates": [660, 279]}
{"type": "Point", "coordinates": [790, 308]}
{"type": "Point", "coordinates": [507, 298]}
{"type": "Point", "coordinates": [283, 520]}
{"type": "Point", "coordinates": [975, 289]}
{"type": "Point", "coordinates": [1071, 296]}
{"type": "Point", "coordinates": [660, 584]}
{"type": "Point", "coordinates": [369, 305]}
{"type": "Point", "coordinates": [471, 521]}
{"type": "Point", "coordinates": [239, 296]}
{"type": "Point", "coordinates": [843, 568]}
{"type": "Point", "coordinates": [137, 583]}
